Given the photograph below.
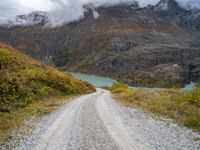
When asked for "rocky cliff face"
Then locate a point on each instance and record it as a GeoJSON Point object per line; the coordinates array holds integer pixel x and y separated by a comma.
{"type": "Point", "coordinates": [159, 43]}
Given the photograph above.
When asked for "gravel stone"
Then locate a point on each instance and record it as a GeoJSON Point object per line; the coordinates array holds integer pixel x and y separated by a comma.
{"type": "Point", "coordinates": [97, 122]}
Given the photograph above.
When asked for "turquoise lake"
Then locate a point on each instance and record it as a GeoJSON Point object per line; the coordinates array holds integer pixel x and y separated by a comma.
{"type": "Point", "coordinates": [105, 81]}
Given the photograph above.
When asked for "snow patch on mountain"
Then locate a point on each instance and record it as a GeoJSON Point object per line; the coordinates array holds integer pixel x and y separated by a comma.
{"type": "Point", "coordinates": [95, 14]}
{"type": "Point", "coordinates": [64, 12]}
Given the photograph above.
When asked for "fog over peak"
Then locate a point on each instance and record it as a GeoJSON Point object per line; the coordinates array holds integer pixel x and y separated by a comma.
{"type": "Point", "coordinates": [65, 11]}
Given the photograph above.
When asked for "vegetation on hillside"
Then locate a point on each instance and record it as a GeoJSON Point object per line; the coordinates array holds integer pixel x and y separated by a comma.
{"type": "Point", "coordinates": [183, 107]}
{"type": "Point", "coordinates": [24, 82]}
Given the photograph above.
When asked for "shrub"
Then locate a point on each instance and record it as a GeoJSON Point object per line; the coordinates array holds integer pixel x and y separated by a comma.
{"type": "Point", "coordinates": [118, 85]}
{"type": "Point", "coordinates": [194, 96]}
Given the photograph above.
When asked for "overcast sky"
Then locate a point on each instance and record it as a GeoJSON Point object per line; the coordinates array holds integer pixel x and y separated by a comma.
{"type": "Point", "coordinates": [67, 10]}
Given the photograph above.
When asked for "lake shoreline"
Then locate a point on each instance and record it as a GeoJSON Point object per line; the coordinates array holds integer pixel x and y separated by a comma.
{"type": "Point", "coordinates": [99, 81]}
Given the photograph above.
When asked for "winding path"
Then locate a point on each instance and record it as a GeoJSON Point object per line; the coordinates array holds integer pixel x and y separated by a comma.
{"type": "Point", "coordinates": [97, 122]}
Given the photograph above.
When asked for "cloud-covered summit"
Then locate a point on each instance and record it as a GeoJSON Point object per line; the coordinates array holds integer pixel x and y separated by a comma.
{"type": "Point", "coordinates": [65, 11]}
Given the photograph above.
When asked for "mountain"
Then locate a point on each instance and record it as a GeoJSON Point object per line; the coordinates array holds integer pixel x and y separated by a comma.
{"type": "Point", "coordinates": [151, 46]}
{"type": "Point", "coordinates": [24, 81]}
{"type": "Point", "coordinates": [40, 18]}
{"type": "Point", "coordinates": [169, 6]}
{"type": "Point", "coordinates": [34, 18]}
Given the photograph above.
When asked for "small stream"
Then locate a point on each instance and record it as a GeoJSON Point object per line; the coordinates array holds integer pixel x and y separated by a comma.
{"type": "Point", "coordinates": [105, 81]}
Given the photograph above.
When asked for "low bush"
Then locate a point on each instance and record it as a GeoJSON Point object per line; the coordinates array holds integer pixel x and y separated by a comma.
{"type": "Point", "coordinates": [117, 85]}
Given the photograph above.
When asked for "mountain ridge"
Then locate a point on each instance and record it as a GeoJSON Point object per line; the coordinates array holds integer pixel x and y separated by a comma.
{"type": "Point", "coordinates": [42, 17]}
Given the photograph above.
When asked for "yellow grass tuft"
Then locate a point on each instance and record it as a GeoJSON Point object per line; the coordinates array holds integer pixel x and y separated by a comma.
{"type": "Point", "coordinates": [182, 107]}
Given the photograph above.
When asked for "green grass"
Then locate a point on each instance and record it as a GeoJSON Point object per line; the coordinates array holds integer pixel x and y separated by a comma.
{"type": "Point", "coordinates": [24, 81]}
{"type": "Point", "coordinates": [184, 108]}
{"type": "Point", "coordinates": [118, 85]}
{"type": "Point", "coordinates": [197, 139]}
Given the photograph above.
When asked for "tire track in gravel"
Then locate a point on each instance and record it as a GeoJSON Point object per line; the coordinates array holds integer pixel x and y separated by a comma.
{"type": "Point", "coordinates": [97, 122]}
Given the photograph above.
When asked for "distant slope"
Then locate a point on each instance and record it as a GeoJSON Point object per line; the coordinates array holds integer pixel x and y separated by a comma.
{"type": "Point", "coordinates": [24, 80]}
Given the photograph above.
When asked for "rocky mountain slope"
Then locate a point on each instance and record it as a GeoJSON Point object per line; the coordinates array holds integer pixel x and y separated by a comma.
{"type": "Point", "coordinates": [152, 46]}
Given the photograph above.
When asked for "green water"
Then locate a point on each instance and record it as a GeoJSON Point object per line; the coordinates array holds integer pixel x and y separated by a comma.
{"type": "Point", "coordinates": [94, 80]}
{"type": "Point", "coordinates": [103, 81]}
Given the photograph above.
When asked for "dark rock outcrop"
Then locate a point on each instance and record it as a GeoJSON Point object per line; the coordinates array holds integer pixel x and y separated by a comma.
{"type": "Point", "coordinates": [118, 45]}
{"type": "Point", "coordinates": [194, 69]}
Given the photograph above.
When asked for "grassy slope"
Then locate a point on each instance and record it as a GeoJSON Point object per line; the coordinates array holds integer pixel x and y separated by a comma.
{"type": "Point", "coordinates": [183, 107]}
{"type": "Point", "coordinates": [27, 85]}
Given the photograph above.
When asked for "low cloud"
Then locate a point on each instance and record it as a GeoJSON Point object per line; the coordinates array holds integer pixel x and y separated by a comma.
{"type": "Point", "coordinates": [65, 11]}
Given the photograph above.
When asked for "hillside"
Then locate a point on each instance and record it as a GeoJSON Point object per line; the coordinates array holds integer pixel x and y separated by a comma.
{"type": "Point", "coordinates": [29, 88]}
{"type": "Point", "coordinates": [24, 80]}
{"type": "Point", "coordinates": [149, 46]}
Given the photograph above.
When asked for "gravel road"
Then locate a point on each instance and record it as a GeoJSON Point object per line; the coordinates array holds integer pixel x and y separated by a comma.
{"type": "Point", "coordinates": [97, 122]}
